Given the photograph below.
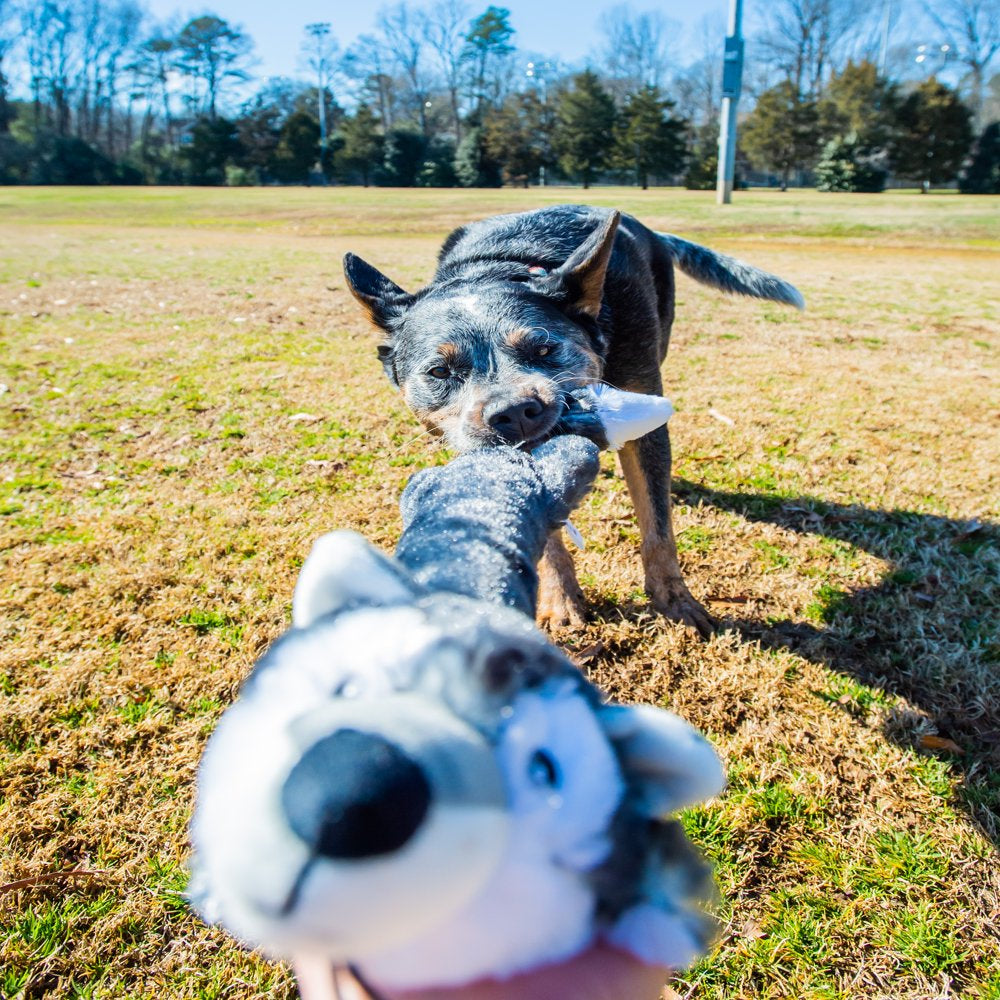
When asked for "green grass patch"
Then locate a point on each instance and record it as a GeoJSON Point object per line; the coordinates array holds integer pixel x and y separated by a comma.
{"type": "Point", "coordinates": [829, 602]}
{"type": "Point", "coordinates": [772, 557]}
{"type": "Point", "coordinates": [695, 539]}
{"type": "Point", "coordinates": [134, 712]}
{"type": "Point", "coordinates": [204, 621]}
{"type": "Point", "coordinates": [40, 930]}
{"type": "Point", "coordinates": [168, 880]}
{"type": "Point", "coordinates": [859, 698]}
{"type": "Point", "coordinates": [925, 939]}
{"type": "Point", "coordinates": [78, 714]}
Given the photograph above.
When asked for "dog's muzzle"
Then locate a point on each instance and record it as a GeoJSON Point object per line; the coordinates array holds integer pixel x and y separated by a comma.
{"type": "Point", "coordinates": [525, 419]}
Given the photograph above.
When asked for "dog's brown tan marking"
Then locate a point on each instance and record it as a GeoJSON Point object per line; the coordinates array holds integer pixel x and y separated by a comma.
{"type": "Point", "coordinates": [449, 353]}
{"type": "Point", "coordinates": [560, 599]}
{"type": "Point", "coordinates": [455, 419]}
{"type": "Point", "coordinates": [664, 582]}
{"type": "Point", "coordinates": [544, 388]}
{"type": "Point", "coordinates": [438, 421]}
{"type": "Point", "coordinates": [517, 338]}
{"type": "Point", "coordinates": [589, 264]}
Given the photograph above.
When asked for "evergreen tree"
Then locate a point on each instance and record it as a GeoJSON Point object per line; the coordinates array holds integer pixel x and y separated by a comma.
{"type": "Point", "coordinates": [848, 164]}
{"type": "Point", "coordinates": [211, 51]}
{"type": "Point", "coordinates": [297, 150]}
{"type": "Point", "coordinates": [258, 130]}
{"type": "Point", "coordinates": [703, 161]}
{"type": "Point", "coordinates": [859, 100]}
{"type": "Point", "coordinates": [982, 173]}
{"type": "Point", "coordinates": [403, 154]}
{"type": "Point", "coordinates": [474, 166]}
{"type": "Point", "coordinates": [486, 44]}
{"type": "Point", "coordinates": [585, 124]}
{"type": "Point", "coordinates": [783, 131]}
{"type": "Point", "coordinates": [517, 137]}
{"type": "Point", "coordinates": [648, 139]}
{"type": "Point", "coordinates": [361, 151]}
{"type": "Point", "coordinates": [213, 144]}
{"type": "Point", "coordinates": [438, 168]}
{"type": "Point", "coordinates": [934, 135]}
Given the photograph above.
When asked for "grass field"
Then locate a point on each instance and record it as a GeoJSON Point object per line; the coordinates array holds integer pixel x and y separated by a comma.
{"type": "Point", "coordinates": [190, 396]}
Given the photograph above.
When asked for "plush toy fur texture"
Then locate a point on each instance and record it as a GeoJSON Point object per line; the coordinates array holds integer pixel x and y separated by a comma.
{"type": "Point", "coordinates": [414, 780]}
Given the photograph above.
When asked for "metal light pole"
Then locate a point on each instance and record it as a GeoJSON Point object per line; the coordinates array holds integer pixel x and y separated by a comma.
{"type": "Point", "coordinates": [883, 53]}
{"type": "Point", "coordinates": [732, 76]}
{"type": "Point", "coordinates": [319, 31]}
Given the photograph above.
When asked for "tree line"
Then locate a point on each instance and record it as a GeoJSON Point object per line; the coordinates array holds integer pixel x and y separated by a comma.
{"type": "Point", "coordinates": [837, 92]}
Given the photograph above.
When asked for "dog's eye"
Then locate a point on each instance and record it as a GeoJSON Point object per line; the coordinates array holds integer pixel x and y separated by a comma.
{"type": "Point", "coordinates": [543, 350]}
{"type": "Point", "coordinates": [542, 770]}
{"type": "Point", "coordinates": [439, 371]}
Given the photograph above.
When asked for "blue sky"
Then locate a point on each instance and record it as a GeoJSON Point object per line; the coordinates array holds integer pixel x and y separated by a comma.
{"type": "Point", "coordinates": [566, 28]}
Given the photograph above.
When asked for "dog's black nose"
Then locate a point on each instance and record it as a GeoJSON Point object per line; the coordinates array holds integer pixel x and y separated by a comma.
{"type": "Point", "coordinates": [355, 795]}
{"type": "Point", "coordinates": [520, 421]}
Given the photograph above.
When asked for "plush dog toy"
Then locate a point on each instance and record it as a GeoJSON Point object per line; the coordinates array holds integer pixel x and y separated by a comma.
{"type": "Point", "coordinates": [414, 781]}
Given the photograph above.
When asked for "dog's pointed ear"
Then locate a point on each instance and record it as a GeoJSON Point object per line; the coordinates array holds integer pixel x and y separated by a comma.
{"type": "Point", "coordinates": [387, 355]}
{"type": "Point", "coordinates": [382, 298]}
{"type": "Point", "coordinates": [581, 278]}
{"type": "Point", "coordinates": [343, 569]}
{"type": "Point", "coordinates": [666, 760]}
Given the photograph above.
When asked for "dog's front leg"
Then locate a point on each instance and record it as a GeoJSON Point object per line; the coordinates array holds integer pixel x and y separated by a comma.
{"type": "Point", "coordinates": [646, 464]}
{"type": "Point", "coordinates": [560, 599]}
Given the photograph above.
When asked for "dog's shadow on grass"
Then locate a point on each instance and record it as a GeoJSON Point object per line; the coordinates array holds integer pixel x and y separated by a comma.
{"type": "Point", "coordinates": [929, 631]}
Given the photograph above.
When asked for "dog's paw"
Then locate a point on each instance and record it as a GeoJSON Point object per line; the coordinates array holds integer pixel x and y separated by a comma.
{"type": "Point", "coordinates": [673, 600]}
{"type": "Point", "coordinates": [558, 608]}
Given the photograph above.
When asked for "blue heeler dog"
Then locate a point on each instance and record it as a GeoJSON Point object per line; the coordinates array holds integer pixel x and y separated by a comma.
{"type": "Point", "coordinates": [523, 309]}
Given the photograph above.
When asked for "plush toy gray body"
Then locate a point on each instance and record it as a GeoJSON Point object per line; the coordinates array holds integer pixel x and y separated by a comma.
{"type": "Point", "coordinates": [415, 781]}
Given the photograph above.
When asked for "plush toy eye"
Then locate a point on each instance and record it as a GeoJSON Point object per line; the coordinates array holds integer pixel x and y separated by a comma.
{"type": "Point", "coordinates": [439, 371]}
{"type": "Point", "coordinates": [347, 688]}
{"type": "Point", "coordinates": [542, 770]}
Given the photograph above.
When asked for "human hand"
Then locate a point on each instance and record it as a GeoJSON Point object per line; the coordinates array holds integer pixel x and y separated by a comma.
{"type": "Point", "coordinates": [599, 973]}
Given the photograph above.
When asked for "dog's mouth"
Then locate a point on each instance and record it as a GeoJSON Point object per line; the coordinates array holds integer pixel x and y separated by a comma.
{"type": "Point", "coordinates": [542, 432]}
{"type": "Point", "coordinates": [523, 421]}
{"type": "Point", "coordinates": [518, 422]}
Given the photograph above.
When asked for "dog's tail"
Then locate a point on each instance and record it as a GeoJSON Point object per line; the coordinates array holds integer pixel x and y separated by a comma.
{"type": "Point", "coordinates": [729, 274]}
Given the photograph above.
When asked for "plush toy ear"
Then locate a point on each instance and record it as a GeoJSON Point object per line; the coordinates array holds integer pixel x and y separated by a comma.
{"type": "Point", "coordinates": [382, 298]}
{"type": "Point", "coordinates": [669, 761]}
{"type": "Point", "coordinates": [343, 569]}
{"type": "Point", "coordinates": [581, 278]}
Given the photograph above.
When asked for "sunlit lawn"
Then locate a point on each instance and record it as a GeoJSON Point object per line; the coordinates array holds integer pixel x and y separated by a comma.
{"type": "Point", "coordinates": [157, 497]}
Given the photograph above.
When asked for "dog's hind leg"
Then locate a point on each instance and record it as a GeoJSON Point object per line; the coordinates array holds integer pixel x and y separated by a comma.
{"type": "Point", "coordinates": [560, 599]}
{"type": "Point", "coordinates": [646, 464]}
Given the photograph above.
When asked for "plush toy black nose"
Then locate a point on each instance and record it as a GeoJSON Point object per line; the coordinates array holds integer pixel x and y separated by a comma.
{"type": "Point", "coordinates": [520, 421]}
{"type": "Point", "coordinates": [355, 795]}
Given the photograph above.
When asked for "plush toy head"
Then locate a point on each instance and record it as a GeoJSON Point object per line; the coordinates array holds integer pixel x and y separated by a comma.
{"type": "Point", "coordinates": [415, 781]}
{"type": "Point", "coordinates": [424, 786]}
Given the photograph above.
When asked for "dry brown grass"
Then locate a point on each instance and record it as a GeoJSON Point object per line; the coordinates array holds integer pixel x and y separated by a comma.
{"type": "Point", "coordinates": [156, 499]}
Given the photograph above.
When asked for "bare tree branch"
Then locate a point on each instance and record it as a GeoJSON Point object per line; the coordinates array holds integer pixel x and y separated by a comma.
{"type": "Point", "coordinates": [638, 47]}
{"type": "Point", "coordinates": [972, 30]}
{"type": "Point", "coordinates": [403, 31]}
{"type": "Point", "coordinates": [444, 27]}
